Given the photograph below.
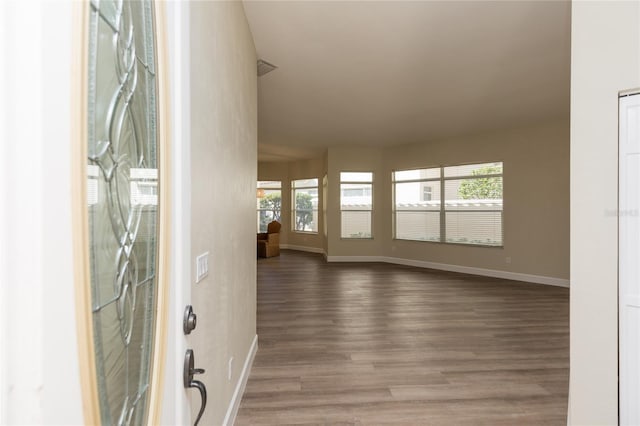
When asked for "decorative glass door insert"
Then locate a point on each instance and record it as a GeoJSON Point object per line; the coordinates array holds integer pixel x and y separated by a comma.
{"type": "Point", "coordinates": [123, 203]}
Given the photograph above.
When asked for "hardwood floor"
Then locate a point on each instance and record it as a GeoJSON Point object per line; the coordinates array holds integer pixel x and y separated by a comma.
{"type": "Point", "coordinates": [377, 343]}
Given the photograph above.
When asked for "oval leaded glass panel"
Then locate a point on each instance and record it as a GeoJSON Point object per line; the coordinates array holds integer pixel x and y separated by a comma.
{"type": "Point", "coordinates": [122, 203]}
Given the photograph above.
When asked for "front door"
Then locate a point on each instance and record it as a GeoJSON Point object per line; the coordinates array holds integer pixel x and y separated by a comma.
{"type": "Point", "coordinates": [123, 148]}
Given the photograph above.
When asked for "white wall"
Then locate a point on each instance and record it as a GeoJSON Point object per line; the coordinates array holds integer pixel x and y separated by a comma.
{"type": "Point", "coordinates": [39, 374]}
{"type": "Point", "coordinates": [223, 204]}
{"type": "Point", "coordinates": [605, 60]}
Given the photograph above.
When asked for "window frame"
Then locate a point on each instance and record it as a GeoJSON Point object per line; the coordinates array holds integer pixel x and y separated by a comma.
{"type": "Point", "coordinates": [443, 209]}
{"type": "Point", "coordinates": [351, 182]}
{"type": "Point", "coordinates": [293, 204]}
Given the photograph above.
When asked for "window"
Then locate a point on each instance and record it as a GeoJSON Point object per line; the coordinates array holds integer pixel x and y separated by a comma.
{"type": "Point", "coordinates": [305, 205]}
{"type": "Point", "coordinates": [269, 203]}
{"type": "Point", "coordinates": [356, 203]}
{"type": "Point", "coordinates": [426, 193]}
{"type": "Point", "coordinates": [416, 218]}
{"type": "Point", "coordinates": [472, 208]}
{"type": "Point", "coordinates": [325, 188]}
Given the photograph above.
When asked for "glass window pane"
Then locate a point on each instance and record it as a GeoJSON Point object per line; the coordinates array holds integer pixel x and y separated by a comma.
{"type": "Point", "coordinates": [473, 194]}
{"type": "Point", "coordinates": [123, 208]}
{"type": "Point", "coordinates": [305, 205]}
{"type": "Point", "coordinates": [268, 203]}
{"type": "Point", "coordinates": [356, 177]}
{"type": "Point", "coordinates": [418, 225]}
{"type": "Point", "coordinates": [417, 195]}
{"type": "Point", "coordinates": [305, 196]}
{"type": "Point", "coordinates": [474, 227]}
{"type": "Point", "coordinates": [356, 224]}
{"type": "Point", "coordinates": [109, 9]}
{"type": "Point", "coordinates": [269, 199]}
{"type": "Point", "coordinates": [304, 183]}
{"type": "Point", "coordinates": [474, 170]}
{"type": "Point", "coordinates": [306, 220]}
{"type": "Point", "coordinates": [265, 217]}
{"type": "Point", "coordinates": [417, 174]}
{"type": "Point", "coordinates": [269, 184]}
{"type": "Point", "coordinates": [356, 196]}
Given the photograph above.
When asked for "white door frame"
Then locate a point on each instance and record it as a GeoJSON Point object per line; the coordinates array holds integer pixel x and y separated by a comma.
{"type": "Point", "coordinates": [39, 375]}
{"type": "Point", "coordinates": [176, 408]}
{"type": "Point", "coordinates": [629, 268]}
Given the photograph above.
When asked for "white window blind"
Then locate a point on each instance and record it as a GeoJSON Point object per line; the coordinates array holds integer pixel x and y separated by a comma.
{"type": "Point", "coordinates": [356, 204]}
{"type": "Point", "coordinates": [417, 218]}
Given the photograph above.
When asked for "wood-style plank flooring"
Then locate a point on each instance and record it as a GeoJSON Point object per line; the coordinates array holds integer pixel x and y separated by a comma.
{"type": "Point", "coordinates": [373, 343]}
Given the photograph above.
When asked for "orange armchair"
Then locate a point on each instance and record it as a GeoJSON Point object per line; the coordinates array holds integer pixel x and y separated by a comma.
{"type": "Point", "coordinates": [269, 242]}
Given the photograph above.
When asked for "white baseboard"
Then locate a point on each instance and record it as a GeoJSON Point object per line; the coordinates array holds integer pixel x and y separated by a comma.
{"type": "Point", "coordinates": [302, 248]}
{"type": "Point", "coordinates": [516, 276]}
{"type": "Point", "coordinates": [357, 259]}
{"type": "Point", "coordinates": [234, 404]}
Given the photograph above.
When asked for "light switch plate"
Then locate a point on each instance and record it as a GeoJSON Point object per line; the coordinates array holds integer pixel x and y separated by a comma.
{"type": "Point", "coordinates": [202, 266]}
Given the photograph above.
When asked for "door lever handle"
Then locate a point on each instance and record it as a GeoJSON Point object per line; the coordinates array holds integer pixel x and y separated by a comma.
{"type": "Point", "coordinates": [189, 382]}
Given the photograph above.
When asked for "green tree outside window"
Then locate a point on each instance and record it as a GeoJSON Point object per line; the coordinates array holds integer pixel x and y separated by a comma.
{"type": "Point", "coordinates": [487, 188]}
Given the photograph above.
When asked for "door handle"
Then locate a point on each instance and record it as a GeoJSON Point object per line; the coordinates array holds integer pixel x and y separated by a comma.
{"type": "Point", "coordinates": [188, 373]}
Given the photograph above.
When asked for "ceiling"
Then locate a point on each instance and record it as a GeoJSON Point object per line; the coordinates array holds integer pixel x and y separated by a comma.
{"type": "Point", "coordinates": [394, 72]}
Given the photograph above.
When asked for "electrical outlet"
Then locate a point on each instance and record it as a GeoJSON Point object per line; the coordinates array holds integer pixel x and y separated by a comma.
{"type": "Point", "coordinates": [230, 368]}
{"type": "Point", "coordinates": [202, 266]}
{"type": "Point", "coordinates": [507, 259]}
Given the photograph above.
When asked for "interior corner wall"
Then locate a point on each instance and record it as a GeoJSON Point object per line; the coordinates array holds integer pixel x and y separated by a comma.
{"type": "Point", "coordinates": [223, 177]}
{"type": "Point", "coordinates": [605, 60]}
{"type": "Point", "coordinates": [286, 172]}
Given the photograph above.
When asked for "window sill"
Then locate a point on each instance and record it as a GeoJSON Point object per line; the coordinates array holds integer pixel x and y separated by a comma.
{"type": "Point", "coordinates": [356, 239]}
{"type": "Point", "coordinates": [501, 246]}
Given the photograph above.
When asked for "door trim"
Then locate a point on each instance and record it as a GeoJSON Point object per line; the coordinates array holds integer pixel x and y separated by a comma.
{"type": "Point", "coordinates": [164, 246]}
{"type": "Point", "coordinates": [79, 215]}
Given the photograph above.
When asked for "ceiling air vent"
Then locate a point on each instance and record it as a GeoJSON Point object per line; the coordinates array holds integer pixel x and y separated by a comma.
{"type": "Point", "coordinates": [264, 67]}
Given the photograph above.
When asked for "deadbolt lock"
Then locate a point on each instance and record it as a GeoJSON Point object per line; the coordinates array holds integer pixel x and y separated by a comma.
{"type": "Point", "coordinates": [189, 323]}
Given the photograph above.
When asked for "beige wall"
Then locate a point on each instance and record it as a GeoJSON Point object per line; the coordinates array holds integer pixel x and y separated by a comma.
{"type": "Point", "coordinates": [223, 177]}
{"type": "Point", "coordinates": [536, 193]}
{"type": "Point", "coordinates": [358, 159]}
{"type": "Point", "coordinates": [605, 60]}
{"type": "Point", "coordinates": [536, 199]}
{"type": "Point", "coordinates": [286, 172]}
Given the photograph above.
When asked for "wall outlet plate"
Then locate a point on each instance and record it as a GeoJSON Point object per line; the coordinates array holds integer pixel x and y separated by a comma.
{"type": "Point", "coordinates": [202, 266]}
